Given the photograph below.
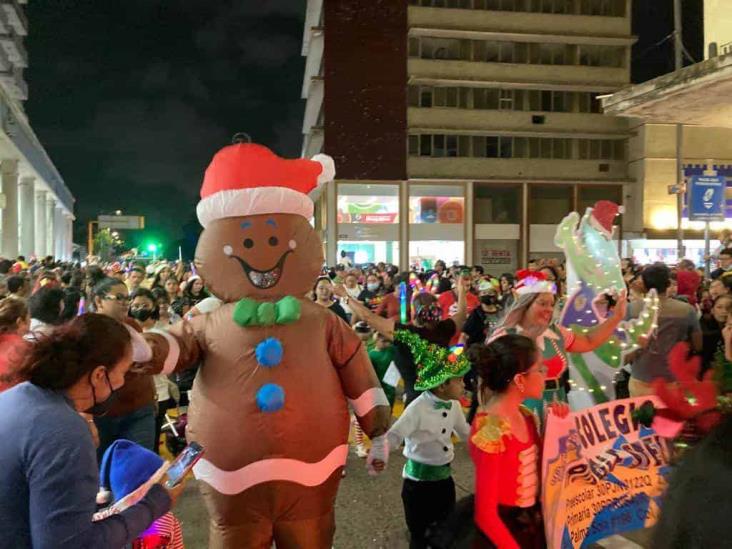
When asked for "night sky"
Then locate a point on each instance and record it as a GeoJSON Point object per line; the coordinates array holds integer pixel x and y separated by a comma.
{"type": "Point", "coordinates": [132, 98]}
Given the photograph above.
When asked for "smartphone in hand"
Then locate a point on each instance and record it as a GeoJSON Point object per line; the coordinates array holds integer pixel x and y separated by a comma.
{"type": "Point", "coordinates": [183, 464]}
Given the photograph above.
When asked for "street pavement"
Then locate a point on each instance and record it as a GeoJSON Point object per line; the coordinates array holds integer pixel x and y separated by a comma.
{"type": "Point", "coordinates": [369, 511]}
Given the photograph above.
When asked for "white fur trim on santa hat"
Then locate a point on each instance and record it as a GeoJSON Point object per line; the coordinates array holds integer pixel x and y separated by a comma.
{"type": "Point", "coordinates": [255, 201]}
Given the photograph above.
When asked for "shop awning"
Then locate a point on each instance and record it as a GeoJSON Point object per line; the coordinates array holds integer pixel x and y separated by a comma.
{"type": "Point", "coordinates": [699, 94]}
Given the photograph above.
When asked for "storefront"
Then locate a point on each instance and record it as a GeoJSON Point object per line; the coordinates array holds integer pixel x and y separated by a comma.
{"type": "Point", "coordinates": [436, 224]}
{"type": "Point", "coordinates": [368, 222]}
{"type": "Point", "coordinates": [476, 223]}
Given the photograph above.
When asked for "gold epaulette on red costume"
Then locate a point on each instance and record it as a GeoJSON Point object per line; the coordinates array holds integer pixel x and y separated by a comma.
{"type": "Point", "coordinates": [489, 433]}
{"type": "Point", "coordinates": [491, 429]}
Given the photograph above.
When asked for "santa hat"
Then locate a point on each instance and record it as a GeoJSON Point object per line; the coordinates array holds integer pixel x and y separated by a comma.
{"type": "Point", "coordinates": [604, 213]}
{"type": "Point", "coordinates": [125, 467]}
{"type": "Point", "coordinates": [533, 282]}
{"type": "Point", "coordinates": [249, 179]}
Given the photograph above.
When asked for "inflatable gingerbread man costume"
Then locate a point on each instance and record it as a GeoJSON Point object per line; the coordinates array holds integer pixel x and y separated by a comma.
{"type": "Point", "coordinates": [270, 401]}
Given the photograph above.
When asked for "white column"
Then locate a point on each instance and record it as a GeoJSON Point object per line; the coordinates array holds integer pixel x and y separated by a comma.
{"type": "Point", "coordinates": [69, 238]}
{"type": "Point", "coordinates": [40, 210]}
{"type": "Point", "coordinates": [9, 171]}
{"type": "Point", "coordinates": [59, 232]}
{"type": "Point", "coordinates": [331, 230]}
{"type": "Point", "coordinates": [27, 217]}
{"type": "Point", "coordinates": [50, 221]}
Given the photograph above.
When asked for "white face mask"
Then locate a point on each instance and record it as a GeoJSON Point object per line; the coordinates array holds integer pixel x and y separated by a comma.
{"type": "Point", "coordinates": [372, 286]}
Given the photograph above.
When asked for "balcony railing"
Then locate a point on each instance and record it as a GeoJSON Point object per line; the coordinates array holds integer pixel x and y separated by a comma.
{"type": "Point", "coordinates": [12, 44]}
{"type": "Point", "coordinates": [15, 16]}
{"type": "Point", "coordinates": [13, 81]}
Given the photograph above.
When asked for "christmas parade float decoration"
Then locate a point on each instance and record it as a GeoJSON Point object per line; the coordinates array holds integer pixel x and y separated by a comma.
{"type": "Point", "coordinates": [593, 274]}
{"type": "Point", "coordinates": [270, 401]}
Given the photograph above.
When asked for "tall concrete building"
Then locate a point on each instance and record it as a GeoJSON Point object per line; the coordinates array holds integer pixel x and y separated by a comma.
{"type": "Point", "coordinates": [36, 208]}
{"type": "Point", "coordinates": [463, 129]}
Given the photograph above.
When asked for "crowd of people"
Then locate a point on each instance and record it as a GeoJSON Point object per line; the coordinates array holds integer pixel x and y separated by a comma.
{"type": "Point", "coordinates": [71, 387]}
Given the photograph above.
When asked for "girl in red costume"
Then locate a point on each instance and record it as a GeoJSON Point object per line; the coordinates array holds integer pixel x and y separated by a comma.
{"type": "Point", "coordinates": [505, 444]}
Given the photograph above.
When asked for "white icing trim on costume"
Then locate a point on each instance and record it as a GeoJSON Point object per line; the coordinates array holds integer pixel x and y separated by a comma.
{"type": "Point", "coordinates": [173, 351]}
{"type": "Point", "coordinates": [277, 469]}
{"type": "Point", "coordinates": [369, 400]}
{"type": "Point", "coordinates": [253, 201]}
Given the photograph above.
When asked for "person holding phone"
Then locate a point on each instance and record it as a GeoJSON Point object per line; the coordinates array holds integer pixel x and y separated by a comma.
{"type": "Point", "coordinates": [126, 467]}
{"type": "Point", "coordinates": [49, 485]}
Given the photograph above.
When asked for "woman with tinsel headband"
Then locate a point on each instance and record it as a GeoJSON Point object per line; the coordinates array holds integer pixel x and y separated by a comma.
{"type": "Point", "coordinates": [532, 315]}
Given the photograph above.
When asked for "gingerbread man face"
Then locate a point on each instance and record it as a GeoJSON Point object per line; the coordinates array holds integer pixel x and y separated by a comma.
{"type": "Point", "coordinates": [255, 207]}
{"type": "Point", "coordinates": [259, 256]}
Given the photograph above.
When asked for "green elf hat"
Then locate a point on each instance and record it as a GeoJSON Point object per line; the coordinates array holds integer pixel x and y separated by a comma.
{"type": "Point", "coordinates": [435, 364]}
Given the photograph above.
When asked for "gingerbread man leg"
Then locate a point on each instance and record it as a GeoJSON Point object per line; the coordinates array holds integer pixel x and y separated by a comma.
{"type": "Point", "coordinates": [236, 526]}
{"type": "Point", "coordinates": [294, 516]}
{"type": "Point", "coordinates": [313, 533]}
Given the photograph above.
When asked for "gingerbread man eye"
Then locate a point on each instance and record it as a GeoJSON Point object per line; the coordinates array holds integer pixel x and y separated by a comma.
{"type": "Point", "coordinates": [249, 243]}
{"type": "Point", "coordinates": [273, 241]}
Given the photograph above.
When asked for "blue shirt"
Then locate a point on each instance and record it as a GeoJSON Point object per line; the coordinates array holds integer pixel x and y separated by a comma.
{"type": "Point", "coordinates": [49, 478]}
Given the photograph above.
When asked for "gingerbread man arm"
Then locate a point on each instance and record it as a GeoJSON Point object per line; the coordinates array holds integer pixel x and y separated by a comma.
{"type": "Point", "coordinates": [358, 378]}
{"type": "Point", "coordinates": [177, 349]}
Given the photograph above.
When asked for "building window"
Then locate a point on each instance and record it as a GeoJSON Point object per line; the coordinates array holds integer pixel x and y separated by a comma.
{"type": "Point", "coordinates": [451, 145]}
{"type": "Point", "coordinates": [497, 204]}
{"type": "Point", "coordinates": [587, 195]}
{"type": "Point", "coordinates": [550, 54]}
{"type": "Point", "coordinates": [601, 56]}
{"type": "Point", "coordinates": [601, 149]}
{"type": "Point", "coordinates": [445, 97]}
{"type": "Point", "coordinates": [607, 8]}
{"type": "Point", "coordinates": [439, 48]}
{"type": "Point", "coordinates": [494, 146]}
{"type": "Point", "coordinates": [505, 100]}
{"type": "Point", "coordinates": [425, 145]}
{"type": "Point", "coordinates": [549, 204]}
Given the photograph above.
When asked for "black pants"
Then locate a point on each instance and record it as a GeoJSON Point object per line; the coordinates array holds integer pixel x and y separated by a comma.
{"type": "Point", "coordinates": [426, 503]}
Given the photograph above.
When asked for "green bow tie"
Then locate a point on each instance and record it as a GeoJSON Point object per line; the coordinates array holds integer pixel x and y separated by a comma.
{"type": "Point", "coordinates": [248, 312]}
{"type": "Point", "coordinates": [443, 405]}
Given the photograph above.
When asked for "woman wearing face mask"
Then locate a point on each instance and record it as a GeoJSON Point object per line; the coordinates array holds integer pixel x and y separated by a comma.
{"type": "Point", "coordinates": [532, 315]}
{"type": "Point", "coordinates": [50, 477]}
{"type": "Point", "coordinates": [132, 415]}
{"type": "Point", "coordinates": [427, 324]}
{"type": "Point", "coordinates": [373, 293]}
{"type": "Point", "coordinates": [144, 309]}
{"type": "Point", "coordinates": [14, 324]}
